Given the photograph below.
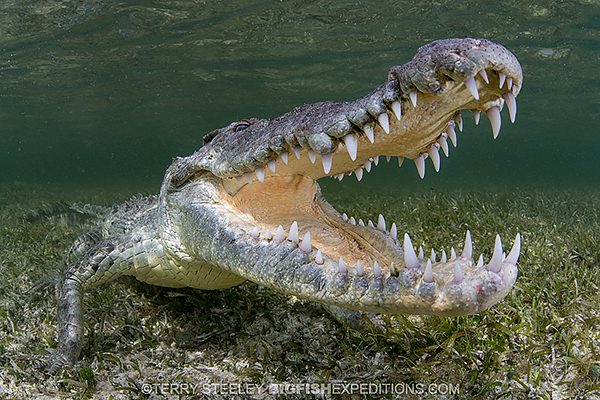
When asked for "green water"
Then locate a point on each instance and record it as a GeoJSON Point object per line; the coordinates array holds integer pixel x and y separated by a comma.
{"type": "Point", "coordinates": [104, 93]}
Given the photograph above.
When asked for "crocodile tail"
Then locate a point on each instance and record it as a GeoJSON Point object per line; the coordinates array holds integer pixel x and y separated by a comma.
{"type": "Point", "coordinates": [72, 214]}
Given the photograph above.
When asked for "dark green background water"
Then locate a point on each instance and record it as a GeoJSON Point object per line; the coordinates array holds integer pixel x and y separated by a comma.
{"type": "Point", "coordinates": [100, 92]}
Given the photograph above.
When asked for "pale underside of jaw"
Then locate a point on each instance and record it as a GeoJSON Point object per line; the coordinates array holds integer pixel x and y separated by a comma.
{"type": "Point", "coordinates": [276, 204]}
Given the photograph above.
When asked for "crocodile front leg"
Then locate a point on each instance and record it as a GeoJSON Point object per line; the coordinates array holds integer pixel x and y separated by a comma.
{"type": "Point", "coordinates": [128, 255]}
{"type": "Point", "coordinates": [69, 294]}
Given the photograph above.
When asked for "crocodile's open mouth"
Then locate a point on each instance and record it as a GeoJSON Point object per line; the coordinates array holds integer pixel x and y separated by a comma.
{"type": "Point", "coordinates": [274, 200]}
{"type": "Point", "coordinates": [281, 201]}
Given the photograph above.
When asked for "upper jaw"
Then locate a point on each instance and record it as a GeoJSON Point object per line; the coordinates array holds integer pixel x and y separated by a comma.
{"type": "Point", "coordinates": [333, 138]}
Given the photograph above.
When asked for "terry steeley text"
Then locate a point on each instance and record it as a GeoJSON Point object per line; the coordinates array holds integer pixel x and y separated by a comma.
{"type": "Point", "coordinates": [331, 388]}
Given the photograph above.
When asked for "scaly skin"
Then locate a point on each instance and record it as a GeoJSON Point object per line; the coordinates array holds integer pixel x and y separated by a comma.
{"type": "Point", "coordinates": [246, 206]}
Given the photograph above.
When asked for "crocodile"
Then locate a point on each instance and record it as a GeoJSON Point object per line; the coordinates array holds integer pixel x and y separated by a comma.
{"type": "Point", "coordinates": [247, 205]}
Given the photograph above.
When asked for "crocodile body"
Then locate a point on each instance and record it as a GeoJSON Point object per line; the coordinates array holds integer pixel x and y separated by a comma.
{"type": "Point", "coordinates": [246, 205]}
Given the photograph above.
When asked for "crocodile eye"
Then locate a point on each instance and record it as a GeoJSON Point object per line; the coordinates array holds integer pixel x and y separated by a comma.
{"type": "Point", "coordinates": [241, 126]}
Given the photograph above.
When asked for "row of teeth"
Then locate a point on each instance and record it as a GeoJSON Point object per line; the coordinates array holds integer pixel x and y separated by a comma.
{"type": "Point", "coordinates": [411, 258]}
{"type": "Point", "coordinates": [351, 140]}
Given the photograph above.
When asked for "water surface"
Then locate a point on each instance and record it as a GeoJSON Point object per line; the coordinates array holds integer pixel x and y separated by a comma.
{"type": "Point", "coordinates": [106, 93]}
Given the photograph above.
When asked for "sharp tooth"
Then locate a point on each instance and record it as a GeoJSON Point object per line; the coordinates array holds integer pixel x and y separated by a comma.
{"type": "Point", "coordinates": [376, 160]}
{"type": "Point", "coordinates": [511, 103]}
{"type": "Point", "coordinates": [515, 89]}
{"type": "Point", "coordinates": [452, 134]}
{"type": "Point", "coordinates": [293, 235]}
{"type": "Point", "coordinates": [459, 122]}
{"type": "Point", "coordinates": [495, 121]}
{"type": "Point", "coordinates": [268, 235]}
{"type": "Point", "coordinates": [496, 262]}
{"type": "Point", "coordinates": [359, 268]}
{"type": "Point", "coordinates": [297, 150]}
{"type": "Point", "coordinates": [428, 274]}
{"type": "Point", "coordinates": [480, 261]}
{"type": "Point", "coordinates": [312, 156]}
{"type": "Point", "coordinates": [340, 177]}
{"type": "Point", "coordinates": [260, 174]}
{"type": "Point", "coordinates": [509, 83]}
{"type": "Point", "coordinates": [433, 255]}
{"type": "Point", "coordinates": [388, 158]}
{"type": "Point", "coordinates": [351, 142]}
{"type": "Point", "coordinates": [394, 231]}
{"type": "Point", "coordinates": [476, 116]}
{"type": "Point", "coordinates": [501, 79]}
{"type": "Point", "coordinates": [306, 245]}
{"type": "Point", "coordinates": [472, 86]}
{"type": "Point", "coordinates": [443, 141]}
{"type": "Point", "coordinates": [484, 75]}
{"type": "Point", "coordinates": [279, 234]}
{"type": "Point", "coordinates": [381, 223]}
{"type": "Point", "coordinates": [384, 121]}
{"type": "Point", "coordinates": [421, 253]}
{"type": "Point", "coordinates": [420, 163]}
{"type": "Point", "coordinates": [345, 217]}
{"type": "Point", "coordinates": [284, 158]}
{"type": "Point", "coordinates": [458, 274]}
{"type": "Point", "coordinates": [513, 256]}
{"type": "Point", "coordinates": [369, 132]}
{"type": "Point", "coordinates": [319, 257]}
{"type": "Point", "coordinates": [370, 224]}
{"type": "Point", "coordinates": [359, 173]}
{"type": "Point", "coordinates": [327, 161]}
{"type": "Point", "coordinates": [368, 165]}
{"type": "Point", "coordinates": [434, 154]}
{"type": "Point", "coordinates": [400, 161]}
{"type": "Point", "coordinates": [255, 232]}
{"type": "Point", "coordinates": [342, 269]}
{"type": "Point", "coordinates": [468, 249]}
{"type": "Point", "coordinates": [410, 258]}
{"type": "Point", "coordinates": [397, 109]}
{"type": "Point", "coordinates": [413, 98]}
{"type": "Point", "coordinates": [248, 177]}
{"type": "Point", "coordinates": [361, 222]}
{"type": "Point", "coordinates": [271, 165]}
{"type": "Point", "coordinates": [352, 221]}
{"type": "Point", "coordinates": [376, 270]}
{"type": "Point", "coordinates": [444, 257]}
{"type": "Point", "coordinates": [452, 254]}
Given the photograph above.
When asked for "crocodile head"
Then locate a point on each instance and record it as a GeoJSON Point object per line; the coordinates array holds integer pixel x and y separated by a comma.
{"type": "Point", "coordinates": [248, 202]}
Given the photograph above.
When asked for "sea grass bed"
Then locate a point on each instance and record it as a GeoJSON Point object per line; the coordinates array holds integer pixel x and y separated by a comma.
{"type": "Point", "coordinates": [543, 341]}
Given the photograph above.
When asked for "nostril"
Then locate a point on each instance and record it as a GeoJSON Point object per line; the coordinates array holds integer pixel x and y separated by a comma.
{"type": "Point", "coordinates": [434, 87]}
